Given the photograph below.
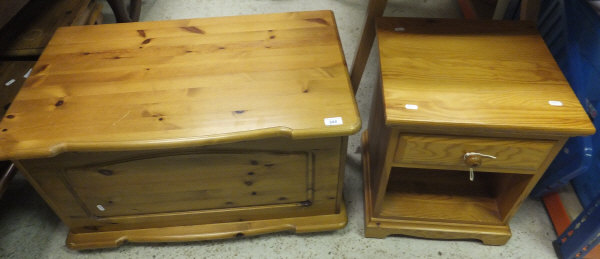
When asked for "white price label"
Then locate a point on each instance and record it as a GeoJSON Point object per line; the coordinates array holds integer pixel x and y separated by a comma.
{"type": "Point", "coordinates": [10, 82]}
{"type": "Point", "coordinates": [334, 121]}
{"type": "Point", "coordinates": [26, 75]}
{"type": "Point", "coordinates": [411, 107]}
{"type": "Point", "coordinates": [555, 103]}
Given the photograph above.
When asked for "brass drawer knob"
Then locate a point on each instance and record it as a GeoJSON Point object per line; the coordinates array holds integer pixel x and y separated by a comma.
{"type": "Point", "coordinates": [472, 160]}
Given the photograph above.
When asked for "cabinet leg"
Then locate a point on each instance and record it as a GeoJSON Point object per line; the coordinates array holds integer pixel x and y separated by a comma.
{"type": "Point", "coordinates": [374, 10]}
{"type": "Point", "coordinates": [495, 241]}
{"type": "Point", "coordinates": [376, 233]}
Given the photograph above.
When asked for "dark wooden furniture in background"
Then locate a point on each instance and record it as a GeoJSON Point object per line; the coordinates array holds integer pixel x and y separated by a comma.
{"type": "Point", "coordinates": [12, 77]}
{"type": "Point", "coordinates": [26, 27]}
{"type": "Point", "coordinates": [124, 13]}
{"type": "Point", "coordinates": [27, 34]}
{"type": "Point", "coordinates": [10, 8]}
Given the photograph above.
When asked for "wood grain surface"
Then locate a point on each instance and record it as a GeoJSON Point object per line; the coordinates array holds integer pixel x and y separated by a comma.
{"type": "Point", "coordinates": [381, 227]}
{"type": "Point", "coordinates": [441, 196]}
{"type": "Point", "coordinates": [447, 152]}
{"type": "Point", "coordinates": [451, 87]}
{"type": "Point", "coordinates": [374, 10]}
{"type": "Point", "coordinates": [243, 181]}
{"type": "Point", "coordinates": [495, 76]}
{"type": "Point", "coordinates": [201, 181]}
{"type": "Point", "coordinates": [182, 83]}
{"type": "Point", "coordinates": [91, 240]}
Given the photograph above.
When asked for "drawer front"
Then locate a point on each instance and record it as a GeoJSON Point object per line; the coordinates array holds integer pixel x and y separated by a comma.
{"type": "Point", "coordinates": [447, 152]}
{"type": "Point", "coordinates": [189, 182]}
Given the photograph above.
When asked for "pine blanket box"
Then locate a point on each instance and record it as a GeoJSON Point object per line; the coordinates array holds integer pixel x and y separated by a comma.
{"type": "Point", "coordinates": [187, 129]}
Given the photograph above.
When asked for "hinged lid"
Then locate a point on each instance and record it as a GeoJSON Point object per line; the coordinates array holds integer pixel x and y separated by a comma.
{"type": "Point", "coordinates": [181, 83]}
{"type": "Point", "coordinates": [454, 75]}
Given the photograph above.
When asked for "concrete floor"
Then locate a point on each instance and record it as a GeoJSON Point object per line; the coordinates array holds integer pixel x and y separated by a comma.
{"type": "Point", "coordinates": [29, 229]}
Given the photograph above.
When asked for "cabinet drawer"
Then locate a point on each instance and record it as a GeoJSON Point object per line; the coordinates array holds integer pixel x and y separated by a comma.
{"type": "Point", "coordinates": [447, 152]}
{"type": "Point", "coordinates": [189, 182]}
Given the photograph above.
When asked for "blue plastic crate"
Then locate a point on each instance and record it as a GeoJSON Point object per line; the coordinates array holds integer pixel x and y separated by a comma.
{"type": "Point", "coordinates": [583, 44]}
{"type": "Point", "coordinates": [571, 29]}
{"type": "Point", "coordinates": [583, 39]}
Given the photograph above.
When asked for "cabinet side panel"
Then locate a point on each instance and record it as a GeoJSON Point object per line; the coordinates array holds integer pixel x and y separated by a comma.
{"type": "Point", "coordinates": [342, 168]}
{"type": "Point", "coordinates": [52, 189]}
{"type": "Point", "coordinates": [378, 147]}
{"type": "Point", "coordinates": [511, 198]}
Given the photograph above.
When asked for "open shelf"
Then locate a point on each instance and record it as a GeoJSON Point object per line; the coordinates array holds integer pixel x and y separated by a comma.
{"type": "Point", "coordinates": [449, 196]}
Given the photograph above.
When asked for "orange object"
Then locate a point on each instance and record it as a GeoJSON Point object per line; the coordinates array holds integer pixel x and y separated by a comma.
{"type": "Point", "coordinates": [560, 219]}
{"type": "Point", "coordinates": [557, 212]}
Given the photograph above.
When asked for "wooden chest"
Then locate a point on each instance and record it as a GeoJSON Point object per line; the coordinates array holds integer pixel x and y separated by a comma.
{"type": "Point", "coordinates": [187, 129]}
{"type": "Point", "coordinates": [456, 95]}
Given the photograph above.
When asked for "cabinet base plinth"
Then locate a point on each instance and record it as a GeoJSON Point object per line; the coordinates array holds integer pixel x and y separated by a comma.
{"type": "Point", "coordinates": [381, 227]}
{"type": "Point", "coordinates": [107, 239]}
{"type": "Point", "coordinates": [489, 235]}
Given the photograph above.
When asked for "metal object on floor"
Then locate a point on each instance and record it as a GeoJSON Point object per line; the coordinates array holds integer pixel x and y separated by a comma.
{"type": "Point", "coordinates": [582, 235]}
{"type": "Point", "coordinates": [9, 172]}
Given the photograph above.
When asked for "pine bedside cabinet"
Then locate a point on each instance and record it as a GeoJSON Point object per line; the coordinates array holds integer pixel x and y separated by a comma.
{"type": "Point", "coordinates": [468, 116]}
{"type": "Point", "coordinates": [187, 129]}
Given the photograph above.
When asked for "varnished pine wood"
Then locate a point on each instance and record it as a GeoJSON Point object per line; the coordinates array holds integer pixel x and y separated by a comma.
{"type": "Point", "coordinates": [83, 217]}
{"type": "Point", "coordinates": [187, 130]}
{"type": "Point", "coordinates": [183, 83]}
{"type": "Point", "coordinates": [44, 174]}
{"type": "Point", "coordinates": [489, 75]}
{"type": "Point", "coordinates": [446, 93]}
{"type": "Point", "coordinates": [513, 196]}
{"type": "Point", "coordinates": [374, 10]}
{"type": "Point", "coordinates": [81, 241]}
{"type": "Point", "coordinates": [342, 168]}
{"type": "Point", "coordinates": [195, 182]}
{"type": "Point", "coordinates": [447, 152]}
{"type": "Point", "coordinates": [383, 143]}
{"type": "Point", "coordinates": [449, 196]}
{"type": "Point", "coordinates": [381, 227]}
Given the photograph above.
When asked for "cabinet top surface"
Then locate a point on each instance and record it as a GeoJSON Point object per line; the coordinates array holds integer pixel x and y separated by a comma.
{"type": "Point", "coordinates": [482, 75]}
{"type": "Point", "coordinates": [183, 82]}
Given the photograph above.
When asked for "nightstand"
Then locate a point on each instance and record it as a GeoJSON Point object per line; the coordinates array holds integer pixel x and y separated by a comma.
{"type": "Point", "coordinates": [468, 116]}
